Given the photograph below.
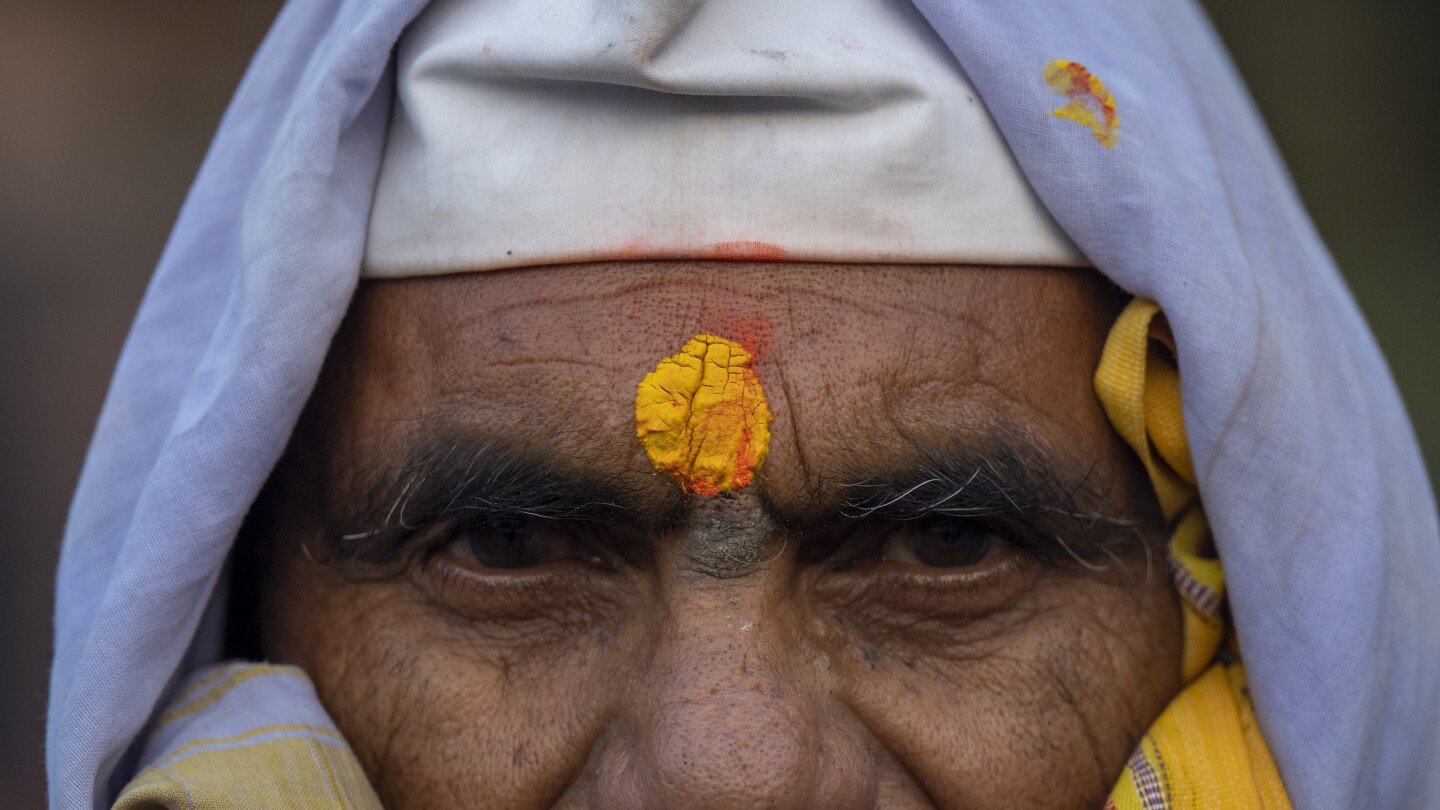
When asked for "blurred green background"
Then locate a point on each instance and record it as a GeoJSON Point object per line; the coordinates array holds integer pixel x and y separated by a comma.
{"type": "Point", "coordinates": [106, 110]}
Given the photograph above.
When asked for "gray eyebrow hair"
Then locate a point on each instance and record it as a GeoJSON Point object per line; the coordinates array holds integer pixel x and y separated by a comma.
{"type": "Point", "coordinates": [458, 479]}
{"type": "Point", "coordinates": [1006, 481]}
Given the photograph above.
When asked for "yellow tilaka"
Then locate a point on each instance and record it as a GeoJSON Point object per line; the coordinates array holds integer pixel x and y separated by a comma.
{"type": "Point", "coordinates": [701, 416]}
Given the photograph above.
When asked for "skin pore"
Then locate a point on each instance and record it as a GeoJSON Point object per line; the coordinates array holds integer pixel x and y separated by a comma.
{"type": "Point", "coordinates": [943, 587]}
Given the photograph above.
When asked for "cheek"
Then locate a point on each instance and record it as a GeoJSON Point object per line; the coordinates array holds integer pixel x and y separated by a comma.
{"type": "Point", "coordinates": [1063, 683]}
{"type": "Point", "coordinates": [439, 708]}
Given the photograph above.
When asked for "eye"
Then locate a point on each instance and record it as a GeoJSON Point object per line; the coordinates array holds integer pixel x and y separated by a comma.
{"type": "Point", "coordinates": [513, 543]}
{"type": "Point", "coordinates": [512, 568]}
{"type": "Point", "coordinates": [943, 543]}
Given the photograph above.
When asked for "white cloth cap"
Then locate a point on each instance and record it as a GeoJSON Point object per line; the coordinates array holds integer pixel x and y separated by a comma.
{"type": "Point", "coordinates": [532, 132]}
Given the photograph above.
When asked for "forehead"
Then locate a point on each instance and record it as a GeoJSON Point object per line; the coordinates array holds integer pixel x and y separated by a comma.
{"type": "Point", "coordinates": [855, 360]}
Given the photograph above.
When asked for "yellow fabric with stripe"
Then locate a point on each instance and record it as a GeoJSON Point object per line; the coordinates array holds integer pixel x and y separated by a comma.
{"type": "Point", "coordinates": [1205, 751]}
{"type": "Point", "coordinates": [248, 735]}
{"type": "Point", "coordinates": [290, 773]}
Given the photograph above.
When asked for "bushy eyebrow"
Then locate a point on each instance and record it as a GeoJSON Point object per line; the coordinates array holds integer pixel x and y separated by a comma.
{"type": "Point", "coordinates": [458, 479]}
{"type": "Point", "coordinates": [1005, 480]}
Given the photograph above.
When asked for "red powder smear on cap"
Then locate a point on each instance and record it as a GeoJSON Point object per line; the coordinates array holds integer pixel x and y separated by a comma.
{"type": "Point", "coordinates": [641, 249]}
{"type": "Point", "coordinates": [634, 249]}
{"type": "Point", "coordinates": [746, 251]}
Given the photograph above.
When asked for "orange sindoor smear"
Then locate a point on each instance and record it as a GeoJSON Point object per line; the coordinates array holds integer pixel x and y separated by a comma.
{"type": "Point", "coordinates": [701, 416]}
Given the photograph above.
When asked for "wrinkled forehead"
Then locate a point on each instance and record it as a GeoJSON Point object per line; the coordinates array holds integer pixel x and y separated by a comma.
{"type": "Point", "coordinates": [859, 363]}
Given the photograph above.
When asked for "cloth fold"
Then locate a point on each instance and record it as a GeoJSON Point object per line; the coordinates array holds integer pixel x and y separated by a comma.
{"type": "Point", "coordinates": [247, 735]}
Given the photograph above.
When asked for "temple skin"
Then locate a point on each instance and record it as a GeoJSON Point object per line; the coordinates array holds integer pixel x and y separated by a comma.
{"type": "Point", "coordinates": [621, 664]}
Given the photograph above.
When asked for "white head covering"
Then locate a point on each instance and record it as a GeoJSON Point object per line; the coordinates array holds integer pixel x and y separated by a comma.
{"type": "Point", "coordinates": [1307, 466]}
{"type": "Point", "coordinates": [817, 130]}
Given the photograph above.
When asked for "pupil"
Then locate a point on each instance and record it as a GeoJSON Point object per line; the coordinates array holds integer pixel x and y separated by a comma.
{"type": "Point", "coordinates": [953, 544]}
{"type": "Point", "coordinates": [506, 545]}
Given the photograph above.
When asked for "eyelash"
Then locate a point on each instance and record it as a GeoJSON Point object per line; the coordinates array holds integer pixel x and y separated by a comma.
{"type": "Point", "coordinates": [542, 595]}
{"type": "Point", "coordinates": [422, 544]}
{"type": "Point", "coordinates": [603, 551]}
{"type": "Point", "coordinates": [549, 597]}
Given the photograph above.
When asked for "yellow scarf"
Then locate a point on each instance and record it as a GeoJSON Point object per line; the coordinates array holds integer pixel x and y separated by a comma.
{"type": "Point", "coordinates": [1205, 751]}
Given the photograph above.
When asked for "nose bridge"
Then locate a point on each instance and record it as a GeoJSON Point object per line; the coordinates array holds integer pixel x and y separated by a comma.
{"type": "Point", "coordinates": [730, 535]}
{"type": "Point", "coordinates": [724, 718]}
{"type": "Point", "coordinates": [726, 710]}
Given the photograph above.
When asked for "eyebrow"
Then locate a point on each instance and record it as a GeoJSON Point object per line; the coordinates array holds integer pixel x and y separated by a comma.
{"type": "Point", "coordinates": [1005, 481]}
{"type": "Point", "coordinates": [457, 479]}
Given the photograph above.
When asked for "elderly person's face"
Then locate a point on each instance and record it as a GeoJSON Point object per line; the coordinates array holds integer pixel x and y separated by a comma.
{"type": "Point", "coordinates": [944, 587]}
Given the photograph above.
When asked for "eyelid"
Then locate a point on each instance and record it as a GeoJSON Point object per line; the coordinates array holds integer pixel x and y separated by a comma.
{"type": "Point", "coordinates": [887, 592]}
{"type": "Point", "coordinates": [593, 543]}
{"type": "Point", "coordinates": [967, 545]}
{"type": "Point", "coordinates": [533, 596]}
{"type": "Point", "coordinates": [849, 546]}
{"type": "Point", "coordinates": [1014, 531]}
